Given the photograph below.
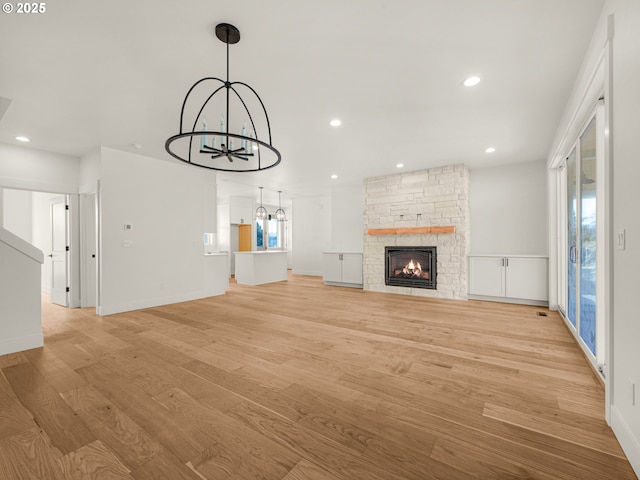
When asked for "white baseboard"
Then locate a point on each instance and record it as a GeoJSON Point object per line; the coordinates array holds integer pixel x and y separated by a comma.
{"type": "Point", "coordinates": [629, 443]}
{"type": "Point", "coordinates": [149, 303]}
{"type": "Point", "coordinates": [18, 344]}
{"type": "Point", "coordinates": [520, 301]}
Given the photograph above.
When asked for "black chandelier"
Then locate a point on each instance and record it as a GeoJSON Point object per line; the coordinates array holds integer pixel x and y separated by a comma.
{"type": "Point", "coordinates": [215, 149]}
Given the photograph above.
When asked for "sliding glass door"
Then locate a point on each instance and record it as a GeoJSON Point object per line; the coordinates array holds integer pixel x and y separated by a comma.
{"type": "Point", "coordinates": [581, 255]}
{"type": "Point", "coordinates": [588, 238]}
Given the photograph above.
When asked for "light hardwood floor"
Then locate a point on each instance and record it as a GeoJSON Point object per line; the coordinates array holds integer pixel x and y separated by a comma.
{"type": "Point", "coordinates": [300, 381]}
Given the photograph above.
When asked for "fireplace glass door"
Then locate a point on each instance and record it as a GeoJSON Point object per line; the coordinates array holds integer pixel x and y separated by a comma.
{"type": "Point", "coordinates": [410, 267]}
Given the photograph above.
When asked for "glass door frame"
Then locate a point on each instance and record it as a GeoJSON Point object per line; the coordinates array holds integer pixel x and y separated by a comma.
{"type": "Point", "coordinates": [598, 359]}
{"type": "Point", "coordinates": [563, 257]}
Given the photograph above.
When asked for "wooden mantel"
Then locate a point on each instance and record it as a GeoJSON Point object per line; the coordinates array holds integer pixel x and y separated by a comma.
{"type": "Point", "coordinates": [411, 230]}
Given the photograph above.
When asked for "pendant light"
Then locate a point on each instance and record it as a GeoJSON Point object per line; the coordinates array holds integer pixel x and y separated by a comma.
{"type": "Point", "coordinates": [196, 145]}
{"type": "Point", "coordinates": [280, 215]}
{"type": "Point", "coordinates": [261, 212]}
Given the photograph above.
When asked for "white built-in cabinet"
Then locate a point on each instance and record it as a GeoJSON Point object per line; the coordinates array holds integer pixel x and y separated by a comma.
{"type": "Point", "coordinates": [518, 278]}
{"type": "Point", "coordinates": [344, 269]}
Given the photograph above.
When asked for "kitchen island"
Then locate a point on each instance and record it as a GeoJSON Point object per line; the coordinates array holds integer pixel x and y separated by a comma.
{"type": "Point", "coordinates": [258, 267]}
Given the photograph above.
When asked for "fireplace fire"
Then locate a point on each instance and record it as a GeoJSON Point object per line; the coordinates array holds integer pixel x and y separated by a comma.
{"type": "Point", "coordinates": [411, 270]}
{"type": "Point", "coordinates": [411, 267]}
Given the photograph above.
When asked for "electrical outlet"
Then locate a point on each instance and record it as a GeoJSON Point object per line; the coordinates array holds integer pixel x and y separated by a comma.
{"type": "Point", "coordinates": [127, 244]}
{"type": "Point", "coordinates": [162, 286]}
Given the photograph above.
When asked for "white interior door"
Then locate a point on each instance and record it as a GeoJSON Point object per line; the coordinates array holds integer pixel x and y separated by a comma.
{"type": "Point", "coordinates": [59, 254]}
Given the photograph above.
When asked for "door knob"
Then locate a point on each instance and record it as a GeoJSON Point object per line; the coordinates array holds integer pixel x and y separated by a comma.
{"type": "Point", "coordinates": [50, 255]}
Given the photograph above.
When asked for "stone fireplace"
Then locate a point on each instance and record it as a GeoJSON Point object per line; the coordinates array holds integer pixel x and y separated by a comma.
{"type": "Point", "coordinates": [411, 267]}
{"type": "Point", "coordinates": [428, 207]}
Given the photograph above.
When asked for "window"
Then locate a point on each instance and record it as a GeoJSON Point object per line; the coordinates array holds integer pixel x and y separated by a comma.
{"type": "Point", "coordinates": [260, 235]}
{"type": "Point", "coordinates": [271, 234]}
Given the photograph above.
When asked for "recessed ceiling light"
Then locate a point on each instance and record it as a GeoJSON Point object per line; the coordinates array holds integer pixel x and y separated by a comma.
{"type": "Point", "coordinates": [399, 165]}
{"type": "Point", "coordinates": [471, 81]}
{"type": "Point", "coordinates": [336, 122]}
{"type": "Point", "coordinates": [22, 139]}
{"type": "Point", "coordinates": [334, 176]}
{"type": "Point", "coordinates": [490, 150]}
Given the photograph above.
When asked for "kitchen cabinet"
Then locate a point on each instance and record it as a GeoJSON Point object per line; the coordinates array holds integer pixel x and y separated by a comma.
{"type": "Point", "coordinates": [343, 269]}
{"type": "Point", "coordinates": [518, 278]}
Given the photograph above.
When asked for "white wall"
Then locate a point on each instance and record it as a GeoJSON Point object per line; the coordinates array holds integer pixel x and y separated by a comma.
{"type": "Point", "coordinates": [29, 169]}
{"type": "Point", "coordinates": [166, 205]}
{"type": "Point", "coordinates": [17, 206]}
{"type": "Point", "coordinates": [311, 234]}
{"type": "Point", "coordinates": [223, 231]}
{"type": "Point", "coordinates": [20, 325]}
{"type": "Point", "coordinates": [347, 218]}
{"type": "Point", "coordinates": [89, 172]}
{"type": "Point", "coordinates": [626, 263]}
{"type": "Point", "coordinates": [508, 208]}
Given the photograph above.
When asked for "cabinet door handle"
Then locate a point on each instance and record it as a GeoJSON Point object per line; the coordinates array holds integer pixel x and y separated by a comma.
{"type": "Point", "coordinates": [503, 262]}
{"type": "Point", "coordinates": [507, 262]}
{"type": "Point", "coordinates": [341, 258]}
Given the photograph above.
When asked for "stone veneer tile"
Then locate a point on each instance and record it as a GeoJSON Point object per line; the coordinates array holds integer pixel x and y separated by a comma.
{"type": "Point", "coordinates": [439, 196]}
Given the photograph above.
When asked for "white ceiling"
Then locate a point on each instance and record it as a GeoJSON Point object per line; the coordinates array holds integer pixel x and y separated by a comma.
{"type": "Point", "coordinates": [114, 73]}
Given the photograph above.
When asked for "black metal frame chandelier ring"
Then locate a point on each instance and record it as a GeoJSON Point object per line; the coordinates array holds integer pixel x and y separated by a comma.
{"type": "Point", "coordinates": [207, 154]}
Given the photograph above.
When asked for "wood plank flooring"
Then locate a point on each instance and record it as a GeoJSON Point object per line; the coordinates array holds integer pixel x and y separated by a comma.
{"type": "Point", "coordinates": [300, 381]}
